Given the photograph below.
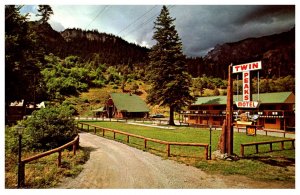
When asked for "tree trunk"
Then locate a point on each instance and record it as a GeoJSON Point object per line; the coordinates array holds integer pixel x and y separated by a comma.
{"type": "Point", "coordinates": [171, 121]}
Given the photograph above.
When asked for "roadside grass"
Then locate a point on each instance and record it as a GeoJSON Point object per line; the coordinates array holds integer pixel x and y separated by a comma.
{"type": "Point", "coordinates": [44, 173]}
{"type": "Point", "coordinates": [268, 166]}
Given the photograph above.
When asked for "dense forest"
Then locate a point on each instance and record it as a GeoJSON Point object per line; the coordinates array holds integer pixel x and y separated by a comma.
{"type": "Point", "coordinates": [89, 45]}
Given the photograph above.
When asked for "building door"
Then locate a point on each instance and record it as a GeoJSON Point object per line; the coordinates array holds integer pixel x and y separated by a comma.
{"type": "Point", "coordinates": [110, 111]}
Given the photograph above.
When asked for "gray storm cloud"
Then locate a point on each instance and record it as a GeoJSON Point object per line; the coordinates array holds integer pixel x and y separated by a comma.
{"type": "Point", "coordinates": [200, 27]}
{"type": "Point", "coordinates": [203, 27]}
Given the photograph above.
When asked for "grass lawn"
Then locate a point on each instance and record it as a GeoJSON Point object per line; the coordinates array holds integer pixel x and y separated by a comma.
{"type": "Point", "coordinates": [262, 166]}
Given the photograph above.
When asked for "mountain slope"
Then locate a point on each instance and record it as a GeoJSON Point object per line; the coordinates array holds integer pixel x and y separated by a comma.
{"type": "Point", "coordinates": [277, 53]}
{"type": "Point", "coordinates": [88, 45]}
{"type": "Point", "coordinates": [112, 49]}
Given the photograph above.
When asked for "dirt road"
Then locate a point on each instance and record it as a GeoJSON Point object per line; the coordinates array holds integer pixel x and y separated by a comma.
{"type": "Point", "coordinates": [116, 165]}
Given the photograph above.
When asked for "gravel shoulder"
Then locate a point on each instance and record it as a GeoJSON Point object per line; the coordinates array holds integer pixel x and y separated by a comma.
{"type": "Point", "coordinates": [115, 165]}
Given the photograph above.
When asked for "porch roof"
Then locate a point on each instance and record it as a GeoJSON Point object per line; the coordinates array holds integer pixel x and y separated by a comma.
{"type": "Point", "coordinates": [264, 98]}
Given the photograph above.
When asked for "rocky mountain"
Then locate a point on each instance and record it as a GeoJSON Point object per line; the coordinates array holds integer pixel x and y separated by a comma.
{"type": "Point", "coordinates": [89, 45]}
{"type": "Point", "coordinates": [111, 49]}
{"type": "Point", "coordinates": [277, 53]}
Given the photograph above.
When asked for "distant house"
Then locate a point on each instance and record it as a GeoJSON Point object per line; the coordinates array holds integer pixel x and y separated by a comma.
{"type": "Point", "coordinates": [124, 105]}
{"type": "Point", "coordinates": [17, 110]}
{"type": "Point", "coordinates": [100, 112]}
{"type": "Point", "coordinates": [276, 110]}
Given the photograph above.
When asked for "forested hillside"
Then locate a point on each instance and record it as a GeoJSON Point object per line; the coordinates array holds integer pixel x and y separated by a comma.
{"type": "Point", "coordinates": [89, 45]}
{"type": "Point", "coordinates": [277, 52]}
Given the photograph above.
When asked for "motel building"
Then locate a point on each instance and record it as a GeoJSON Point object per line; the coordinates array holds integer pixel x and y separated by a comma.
{"type": "Point", "coordinates": [275, 110]}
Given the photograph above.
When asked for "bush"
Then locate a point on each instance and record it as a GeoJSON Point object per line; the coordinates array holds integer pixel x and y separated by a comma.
{"type": "Point", "coordinates": [49, 128]}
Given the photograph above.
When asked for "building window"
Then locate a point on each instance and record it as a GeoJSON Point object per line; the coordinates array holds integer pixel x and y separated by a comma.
{"type": "Point", "coordinates": [270, 120]}
{"type": "Point", "coordinates": [216, 119]}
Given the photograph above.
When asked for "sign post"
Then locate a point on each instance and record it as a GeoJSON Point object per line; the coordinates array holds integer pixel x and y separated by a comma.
{"type": "Point", "coordinates": [226, 141]}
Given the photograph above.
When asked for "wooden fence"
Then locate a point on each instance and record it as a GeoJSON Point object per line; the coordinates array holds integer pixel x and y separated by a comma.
{"type": "Point", "coordinates": [146, 140]}
{"type": "Point", "coordinates": [261, 128]}
{"type": "Point", "coordinates": [256, 144]}
{"type": "Point", "coordinates": [74, 143]}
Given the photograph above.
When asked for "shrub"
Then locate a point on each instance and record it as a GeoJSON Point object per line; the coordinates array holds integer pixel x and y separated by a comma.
{"type": "Point", "coordinates": [49, 128]}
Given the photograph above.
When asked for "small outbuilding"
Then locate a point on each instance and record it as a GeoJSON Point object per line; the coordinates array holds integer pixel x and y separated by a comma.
{"type": "Point", "coordinates": [126, 105]}
{"type": "Point", "coordinates": [100, 112]}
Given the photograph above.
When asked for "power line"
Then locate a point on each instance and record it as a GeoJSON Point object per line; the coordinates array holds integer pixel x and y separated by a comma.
{"type": "Point", "coordinates": [147, 21]}
{"type": "Point", "coordinates": [100, 12]}
{"type": "Point", "coordinates": [137, 19]}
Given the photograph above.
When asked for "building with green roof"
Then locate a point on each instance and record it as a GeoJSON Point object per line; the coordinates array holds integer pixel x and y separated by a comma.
{"type": "Point", "coordinates": [126, 105]}
{"type": "Point", "coordinates": [275, 111]}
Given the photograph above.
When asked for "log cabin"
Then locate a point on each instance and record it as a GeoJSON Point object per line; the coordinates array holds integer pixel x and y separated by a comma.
{"type": "Point", "coordinates": [125, 105]}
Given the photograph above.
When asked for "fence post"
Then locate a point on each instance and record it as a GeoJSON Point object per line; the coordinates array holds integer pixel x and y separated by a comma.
{"type": "Point", "coordinates": [168, 149]}
{"type": "Point", "coordinates": [256, 148]}
{"type": "Point", "coordinates": [206, 153]}
{"type": "Point", "coordinates": [114, 135]}
{"type": "Point", "coordinates": [103, 132]}
{"type": "Point", "coordinates": [145, 143]}
{"type": "Point", "coordinates": [77, 143]}
{"type": "Point", "coordinates": [271, 149]}
{"type": "Point", "coordinates": [59, 159]}
{"type": "Point", "coordinates": [127, 140]}
{"type": "Point", "coordinates": [242, 150]}
{"type": "Point", "coordinates": [282, 145]}
{"type": "Point", "coordinates": [74, 148]}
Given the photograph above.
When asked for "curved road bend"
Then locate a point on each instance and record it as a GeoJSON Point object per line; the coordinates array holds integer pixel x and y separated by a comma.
{"type": "Point", "coordinates": [116, 165]}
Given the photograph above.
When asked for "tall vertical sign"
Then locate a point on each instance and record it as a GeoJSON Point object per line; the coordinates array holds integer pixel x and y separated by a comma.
{"type": "Point", "coordinates": [246, 86]}
{"type": "Point", "coordinates": [226, 141]}
{"type": "Point", "coordinates": [245, 70]}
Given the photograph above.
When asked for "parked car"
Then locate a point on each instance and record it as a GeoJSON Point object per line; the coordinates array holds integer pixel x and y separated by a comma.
{"type": "Point", "coordinates": [157, 116]}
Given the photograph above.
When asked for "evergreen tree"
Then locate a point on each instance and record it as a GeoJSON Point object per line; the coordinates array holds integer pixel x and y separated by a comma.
{"type": "Point", "coordinates": [45, 11]}
{"type": "Point", "coordinates": [22, 70]}
{"type": "Point", "coordinates": [168, 71]}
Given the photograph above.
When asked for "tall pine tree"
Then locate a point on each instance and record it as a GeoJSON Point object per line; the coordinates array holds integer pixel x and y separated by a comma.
{"type": "Point", "coordinates": [45, 11]}
{"type": "Point", "coordinates": [168, 71]}
{"type": "Point", "coordinates": [22, 65]}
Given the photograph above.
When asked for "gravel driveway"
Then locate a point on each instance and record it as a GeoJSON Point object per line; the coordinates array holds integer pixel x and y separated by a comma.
{"type": "Point", "coordinates": [116, 165]}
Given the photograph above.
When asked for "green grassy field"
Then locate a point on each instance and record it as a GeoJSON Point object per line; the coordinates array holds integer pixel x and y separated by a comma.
{"type": "Point", "coordinates": [276, 165]}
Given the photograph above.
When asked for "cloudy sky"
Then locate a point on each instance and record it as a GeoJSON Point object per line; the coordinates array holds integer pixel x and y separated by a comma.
{"type": "Point", "coordinates": [200, 27]}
